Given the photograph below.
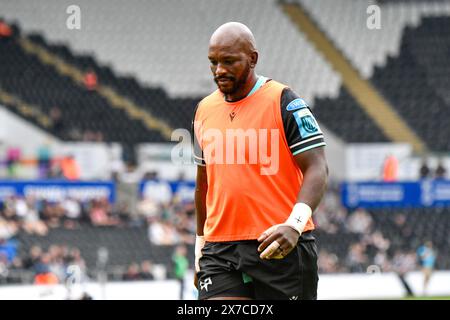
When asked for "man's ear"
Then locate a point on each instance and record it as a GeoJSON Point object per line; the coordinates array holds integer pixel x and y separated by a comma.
{"type": "Point", "coordinates": [253, 59]}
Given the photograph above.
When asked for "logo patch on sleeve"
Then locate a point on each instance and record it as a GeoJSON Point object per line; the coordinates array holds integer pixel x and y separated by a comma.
{"type": "Point", "coordinates": [296, 104]}
{"type": "Point", "coordinates": [306, 123]}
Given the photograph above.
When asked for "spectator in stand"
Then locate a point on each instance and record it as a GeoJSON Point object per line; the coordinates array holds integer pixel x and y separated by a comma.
{"type": "Point", "coordinates": [146, 270]}
{"type": "Point", "coordinates": [3, 266]}
{"type": "Point", "coordinates": [180, 266]}
{"type": "Point", "coordinates": [359, 222]}
{"type": "Point", "coordinates": [8, 229]}
{"type": "Point", "coordinates": [12, 161]}
{"type": "Point", "coordinates": [43, 274]}
{"type": "Point", "coordinates": [424, 171]}
{"type": "Point", "coordinates": [328, 262]}
{"type": "Point", "coordinates": [52, 213]}
{"type": "Point", "coordinates": [8, 248]}
{"type": "Point", "coordinates": [382, 260]}
{"type": "Point", "coordinates": [72, 213]}
{"type": "Point", "coordinates": [132, 273]}
{"type": "Point", "coordinates": [377, 240]}
{"type": "Point", "coordinates": [90, 80]}
{"type": "Point", "coordinates": [99, 213]}
{"type": "Point", "coordinates": [55, 170]}
{"type": "Point", "coordinates": [44, 161]}
{"type": "Point", "coordinates": [441, 171]}
{"type": "Point", "coordinates": [33, 258]}
{"type": "Point", "coordinates": [56, 265]}
{"type": "Point", "coordinates": [70, 167]}
{"type": "Point", "coordinates": [147, 207]}
{"type": "Point", "coordinates": [427, 258]}
{"type": "Point", "coordinates": [162, 232]}
{"type": "Point", "coordinates": [32, 223]}
{"type": "Point", "coordinates": [57, 121]}
{"type": "Point", "coordinates": [357, 259]}
{"type": "Point", "coordinates": [403, 229]}
{"type": "Point", "coordinates": [98, 137]}
{"type": "Point", "coordinates": [77, 259]}
{"type": "Point", "coordinates": [5, 30]}
{"type": "Point", "coordinates": [390, 168]}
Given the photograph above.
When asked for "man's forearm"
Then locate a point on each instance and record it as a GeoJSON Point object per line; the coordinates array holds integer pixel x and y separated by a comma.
{"type": "Point", "coordinates": [201, 189]}
{"type": "Point", "coordinates": [315, 181]}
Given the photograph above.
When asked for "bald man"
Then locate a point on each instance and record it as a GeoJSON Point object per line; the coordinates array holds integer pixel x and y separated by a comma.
{"type": "Point", "coordinates": [261, 172]}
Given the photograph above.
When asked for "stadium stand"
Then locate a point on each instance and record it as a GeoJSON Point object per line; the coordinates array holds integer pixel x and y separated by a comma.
{"type": "Point", "coordinates": [81, 110]}
{"type": "Point", "coordinates": [174, 111]}
{"type": "Point", "coordinates": [124, 245]}
{"type": "Point", "coordinates": [417, 80]}
{"type": "Point", "coordinates": [345, 110]}
{"type": "Point", "coordinates": [127, 238]}
{"type": "Point", "coordinates": [383, 235]}
{"type": "Point", "coordinates": [354, 239]}
{"type": "Point", "coordinates": [410, 53]}
{"type": "Point", "coordinates": [344, 21]}
{"type": "Point", "coordinates": [140, 43]}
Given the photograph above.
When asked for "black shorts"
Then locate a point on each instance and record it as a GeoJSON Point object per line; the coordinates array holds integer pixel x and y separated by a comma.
{"type": "Point", "coordinates": [234, 269]}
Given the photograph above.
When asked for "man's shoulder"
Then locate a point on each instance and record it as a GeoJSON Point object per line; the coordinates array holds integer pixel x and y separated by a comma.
{"type": "Point", "coordinates": [213, 96]}
{"type": "Point", "coordinates": [208, 100]}
{"type": "Point", "coordinates": [278, 84]}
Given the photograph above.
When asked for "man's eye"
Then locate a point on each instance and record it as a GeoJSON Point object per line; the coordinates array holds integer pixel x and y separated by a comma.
{"type": "Point", "coordinates": [213, 62]}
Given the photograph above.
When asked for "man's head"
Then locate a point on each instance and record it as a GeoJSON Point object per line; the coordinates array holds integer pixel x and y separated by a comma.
{"type": "Point", "coordinates": [233, 56]}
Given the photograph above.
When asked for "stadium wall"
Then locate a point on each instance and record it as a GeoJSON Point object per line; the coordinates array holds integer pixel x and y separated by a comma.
{"type": "Point", "coordinates": [335, 152]}
{"type": "Point", "coordinates": [331, 287]}
{"type": "Point", "coordinates": [15, 131]}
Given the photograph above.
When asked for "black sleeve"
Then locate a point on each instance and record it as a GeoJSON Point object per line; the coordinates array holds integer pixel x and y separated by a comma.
{"type": "Point", "coordinates": [197, 149]}
{"type": "Point", "coordinates": [301, 128]}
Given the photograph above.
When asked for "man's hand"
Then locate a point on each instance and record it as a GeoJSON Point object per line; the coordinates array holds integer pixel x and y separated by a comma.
{"type": "Point", "coordinates": [199, 244]}
{"type": "Point", "coordinates": [277, 241]}
{"type": "Point", "coordinates": [195, 280]}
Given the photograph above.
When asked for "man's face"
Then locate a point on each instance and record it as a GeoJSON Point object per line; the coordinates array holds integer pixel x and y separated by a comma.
{"type": "Point", "coordinates": [230, 66]}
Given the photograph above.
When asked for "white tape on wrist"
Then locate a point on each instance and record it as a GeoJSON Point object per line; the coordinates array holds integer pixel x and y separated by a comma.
{"type": "Point", "coordinates": [299, 217]}
{"type": "Point", "coordinates": [199, 244]}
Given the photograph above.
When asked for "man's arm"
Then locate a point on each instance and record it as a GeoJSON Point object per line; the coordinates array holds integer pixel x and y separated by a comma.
{"type": "Point", "coordinates": [314, 167]}
{"type": "Point", "coordinates": [201, 188]}
{"type": "Point", "coordinates": [279, 240]}
{"type": "Point", "coordinates": [200, 198]}
{"type": "Point", "coordinates": [306, 142]}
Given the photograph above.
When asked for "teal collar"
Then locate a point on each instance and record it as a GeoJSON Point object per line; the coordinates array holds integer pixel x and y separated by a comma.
{"type": "Point", "coordinates": [258, 84]}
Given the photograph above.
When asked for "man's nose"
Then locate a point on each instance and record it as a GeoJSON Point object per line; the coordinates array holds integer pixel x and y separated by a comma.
{"type": "Point", "coordinates": [220, 70]}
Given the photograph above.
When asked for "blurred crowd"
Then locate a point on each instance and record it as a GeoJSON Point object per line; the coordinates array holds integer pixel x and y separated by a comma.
{"type": "Point", "coordinates": [167, 223]}
{"type": "Point", "coordinates": [369, 246]}
{"type": "Point", "coordinates": [38, 216]}
{"type": "Point", "coordinates": [170, 221]}
{"type": "Point", "coordinates": [57, 264]}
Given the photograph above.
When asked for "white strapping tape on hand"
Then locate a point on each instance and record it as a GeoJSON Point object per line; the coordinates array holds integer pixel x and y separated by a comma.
{"type": "Point", "coordinates": [299, 217]}
{"type": "Point", "coordinates": [199, 244]}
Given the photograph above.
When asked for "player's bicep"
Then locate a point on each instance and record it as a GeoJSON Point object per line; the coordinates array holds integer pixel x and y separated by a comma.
{"type": "Point", "coordinates": [300, 126]}
{"type": "Point", "coordinates": [196, 141]}
{"type": "Point", "coordinates": [312, 158]}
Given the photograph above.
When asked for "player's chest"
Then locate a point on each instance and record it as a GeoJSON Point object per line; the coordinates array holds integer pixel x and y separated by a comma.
{"type": "Point", "coordinates": [241, 117]}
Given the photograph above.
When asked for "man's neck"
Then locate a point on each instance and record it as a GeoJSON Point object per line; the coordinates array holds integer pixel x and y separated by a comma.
{"type": "Point", "coordinates": [242, 93]}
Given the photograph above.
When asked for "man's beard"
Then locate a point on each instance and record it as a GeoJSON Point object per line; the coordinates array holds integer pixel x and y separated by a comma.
{"type": "Point", "coordinates": [237, 83]}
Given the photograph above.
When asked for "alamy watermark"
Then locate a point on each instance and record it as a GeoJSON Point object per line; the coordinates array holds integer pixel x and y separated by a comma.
{"type": "Point", "coordinates": [73, 21]}
{"type": "Point", "coordinates": [232, 146]}
{"type": "Point", "coordinates": [373, 21]}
